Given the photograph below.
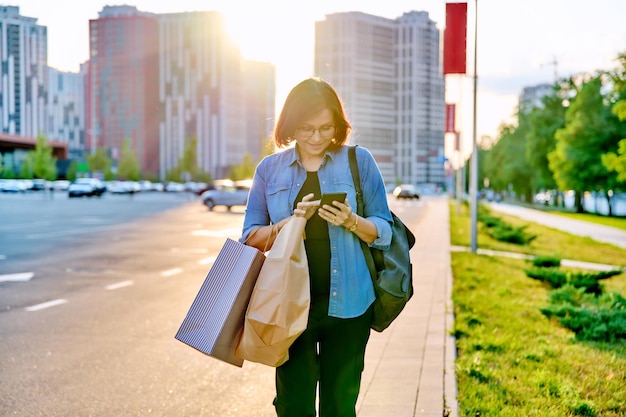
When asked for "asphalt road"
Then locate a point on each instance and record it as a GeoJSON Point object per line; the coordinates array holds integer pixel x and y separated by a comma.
{"type": "Point", "coordinates": [91, 332]}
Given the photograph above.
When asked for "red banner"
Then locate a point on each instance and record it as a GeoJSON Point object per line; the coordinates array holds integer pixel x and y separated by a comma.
{"type": "Point", "coordinates": [450, 118]}
{"type": "Point", "coordinates": [455, 39]}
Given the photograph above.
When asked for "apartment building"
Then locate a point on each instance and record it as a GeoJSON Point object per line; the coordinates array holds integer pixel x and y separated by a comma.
{"type": "Point", "coordinates": [66, 110]}
{"type": "Point", "coordinates": [162, 80]}
{"type": "Point", "coordinates": [24, 86]}
{"type": "Point", "coordinates": [388, 73]}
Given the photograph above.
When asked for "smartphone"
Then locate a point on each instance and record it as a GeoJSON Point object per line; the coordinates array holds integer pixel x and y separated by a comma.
{"type": "Point", "coordinates": [328, 198]}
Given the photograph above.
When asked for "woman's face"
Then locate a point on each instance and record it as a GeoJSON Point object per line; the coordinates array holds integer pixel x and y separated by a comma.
{"type": "Point", "coordinates": [316, 134]}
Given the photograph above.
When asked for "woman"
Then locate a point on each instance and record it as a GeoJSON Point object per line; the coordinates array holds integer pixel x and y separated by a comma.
{"type": "Point", "coordinates": [290, 183]}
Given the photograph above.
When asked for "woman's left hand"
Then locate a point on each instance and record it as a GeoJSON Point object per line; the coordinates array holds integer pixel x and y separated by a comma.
{"type": "Point", "coordinates": [338, 214]}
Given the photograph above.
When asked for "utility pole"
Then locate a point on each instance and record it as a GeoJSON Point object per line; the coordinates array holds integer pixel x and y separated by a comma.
{"type": "Point", "coordinates": [474, 160]}
{"type": "Point", "coordinates": [555, 64]}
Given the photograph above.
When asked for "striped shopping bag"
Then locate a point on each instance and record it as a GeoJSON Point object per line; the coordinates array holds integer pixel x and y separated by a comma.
{"type": "Point", "coordinates": [215, 319]}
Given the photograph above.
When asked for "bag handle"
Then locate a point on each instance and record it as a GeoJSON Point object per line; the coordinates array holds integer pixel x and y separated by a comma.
{"type": "Point", "coordinates": [356, 178]}
{"type": "Point", "coordinates": [273, 231]}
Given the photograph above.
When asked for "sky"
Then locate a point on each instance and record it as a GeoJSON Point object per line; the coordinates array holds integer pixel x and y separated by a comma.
{"type": "Point", "coordinates": [520, 42]}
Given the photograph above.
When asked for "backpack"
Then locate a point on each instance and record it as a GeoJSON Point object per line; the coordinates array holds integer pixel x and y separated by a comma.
{"type": "Point", "coordinates": [391, 270]}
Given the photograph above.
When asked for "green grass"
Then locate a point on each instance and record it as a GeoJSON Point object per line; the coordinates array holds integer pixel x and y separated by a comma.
{"type": "Point", "coordinates": [549, 242]}
{"type": "Point", "coordinates": [512, 360]}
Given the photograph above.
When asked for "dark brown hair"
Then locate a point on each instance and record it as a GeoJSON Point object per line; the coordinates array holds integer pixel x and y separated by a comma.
{"type": "Point", "coordinates": [305, 101]}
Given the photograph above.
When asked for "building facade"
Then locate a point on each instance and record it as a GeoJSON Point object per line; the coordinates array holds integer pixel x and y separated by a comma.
{"type": "Point", "coordinates": [165, 80]}
{"type": "Point", "coordinates": [388, 73]}
{"type": "Point", "coordinates": [66, 110]}
{"type": "Point", "coordinates": [122, 84]}
{"type": "Point", "coordinates": [24, 78]}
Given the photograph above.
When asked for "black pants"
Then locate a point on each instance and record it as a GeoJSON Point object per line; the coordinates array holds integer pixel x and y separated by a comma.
{"type": "Point", "coordinates": [330, 351]}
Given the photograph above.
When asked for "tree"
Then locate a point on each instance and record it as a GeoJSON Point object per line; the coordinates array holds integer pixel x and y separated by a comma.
{"type": "Point", "coordinates": [505, 164]}
{"type": "Point", "coordinates": [243, 171]}
{"type": "Point", "coordinates": [543, 122]}
{"type": "Point", "coordinates": [128, 167]}
{"type": "Point", "coordinates": [99, 161]}
{"type": "Point", "coordinates": [27, 170]}
{"type": "Point", "coordinates": [188, 163]}
{"type": "Point", "coordinates": [589, 132]}
{"type": "Point", "coordinates": [616, 161]}
{"type": "Point", "coordinates": [44, 164]}
{"type": "Point", "coordinates": [72, 171]}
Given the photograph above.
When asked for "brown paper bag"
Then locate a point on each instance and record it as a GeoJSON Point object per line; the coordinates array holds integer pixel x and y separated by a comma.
{"type": "Point", "coordinates": [279, 306]}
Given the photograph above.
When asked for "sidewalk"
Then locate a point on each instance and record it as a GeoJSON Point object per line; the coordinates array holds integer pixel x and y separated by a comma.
{"type": "Point", "coordinates": [409, 368]}
{"type": "Point", "coordinates": [597, 232]}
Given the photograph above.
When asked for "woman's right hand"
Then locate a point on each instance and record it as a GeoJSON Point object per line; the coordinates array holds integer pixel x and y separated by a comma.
{"type": "Point", "coordinates": [306, 208]}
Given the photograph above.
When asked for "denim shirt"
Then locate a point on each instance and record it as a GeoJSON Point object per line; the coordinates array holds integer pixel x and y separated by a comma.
{"type": "Point", "coordinates": [276, 184]}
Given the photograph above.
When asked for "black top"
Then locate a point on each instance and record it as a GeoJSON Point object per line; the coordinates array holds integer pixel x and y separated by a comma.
{"type": "Point", "coordinates": [317, 243]}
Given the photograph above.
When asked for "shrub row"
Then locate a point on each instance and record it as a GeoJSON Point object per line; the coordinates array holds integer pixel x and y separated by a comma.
{"type": "Point", "coordinates": [500, 230]}
{"type": "Point", "coordinates": [578, 301]}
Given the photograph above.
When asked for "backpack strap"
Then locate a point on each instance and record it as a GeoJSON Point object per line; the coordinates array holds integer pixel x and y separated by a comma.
{"type": "Point", "coordinates": [356, 178]}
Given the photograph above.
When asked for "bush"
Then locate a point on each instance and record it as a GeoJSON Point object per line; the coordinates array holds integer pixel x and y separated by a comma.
{"type": "Point", "coordinates": [546, 262]}
{"type": "Point", "coordinates": [502, 231]}
{"type": "Point", "coordinates": [599, 319]}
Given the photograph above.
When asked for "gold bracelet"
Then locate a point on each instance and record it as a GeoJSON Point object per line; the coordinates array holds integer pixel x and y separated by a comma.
{"type": "Point", "coordinates": [356, 223]}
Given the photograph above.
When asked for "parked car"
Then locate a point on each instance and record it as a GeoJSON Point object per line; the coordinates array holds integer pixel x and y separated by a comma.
{"type": "Point", "coordinates": [98, 186]}
{"type": "Point", "coordinates": [82, 190]}
{"type": "Point", "coordinates": [123, 187]}
{"type": "Point", "coordinates": [13, 186]}
{"type": "Point", "coordinates": [406, 191]}
{"type": "Point", "coordinates": [227, 193]}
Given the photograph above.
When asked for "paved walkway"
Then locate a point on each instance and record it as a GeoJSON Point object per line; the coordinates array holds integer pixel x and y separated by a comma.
{"type": "Point", "coordinates": [597, 232]}
{"type": "Point", "coordinates": [409, 368]}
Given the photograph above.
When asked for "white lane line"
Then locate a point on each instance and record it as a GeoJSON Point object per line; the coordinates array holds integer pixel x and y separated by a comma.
{"type": "Point", "coordinates": [206, 261]}
{"type": "Point", "coordinates": [119, 285]}
{"type": "Point", "coordinates": [48, 304]}
{"type": "Point", "coordinates": [189, 250]}
{"type": "Point", "coordinates": [22, 276]}
{"type": "Point", "coordinates": [171, 272]}
{"type": "Point", "coordinates": [219, 233]}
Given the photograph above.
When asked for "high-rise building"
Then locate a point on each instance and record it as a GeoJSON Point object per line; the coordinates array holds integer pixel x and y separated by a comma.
{"type": "Point", "coordinates": [166, 80]}
{"type": "Point", "coordinates": [122, 85]}
{"type": "Point", "coordinates": [200, 92]}
{"type": "Point", "coordinates": [66, 110]}
{"type": "Point", "coordinates": [24, 78]}
{"type": "Point", "coordinates": [531, 96]}
{"type": "Point", "coordinates": [388, 73]}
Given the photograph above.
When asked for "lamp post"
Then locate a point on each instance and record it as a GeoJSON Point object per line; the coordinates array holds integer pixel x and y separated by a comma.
{"type": "Point", "coordinates": [474, 161]}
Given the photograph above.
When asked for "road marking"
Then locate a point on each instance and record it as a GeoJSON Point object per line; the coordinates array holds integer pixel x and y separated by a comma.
{"type": "Point", "coordinates": [23, 276]}
{"type": "Point", "coordinates": [189, 250]}
{"type": "Point", "coordinates": [119, 285]}
{"type": "Point", "coordinates": [171, 272]}
{"type": "Point", "coordinates": [48, 304]}
{"type": "Point", "coordinates": [219, 233]}
{"type": "Point", "coordinates": [206, 261]}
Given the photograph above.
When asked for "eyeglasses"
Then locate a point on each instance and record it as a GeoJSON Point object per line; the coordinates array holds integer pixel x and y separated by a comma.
{"type": "Point", "coordinates": [306, 132]}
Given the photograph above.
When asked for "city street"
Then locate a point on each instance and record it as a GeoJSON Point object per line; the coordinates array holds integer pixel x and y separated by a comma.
{"type": "Point", "coordinates": [100, 288]}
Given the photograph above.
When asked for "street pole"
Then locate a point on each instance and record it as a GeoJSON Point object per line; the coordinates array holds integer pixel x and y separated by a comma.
{"type": "Point", "coordinates": [474, 161]}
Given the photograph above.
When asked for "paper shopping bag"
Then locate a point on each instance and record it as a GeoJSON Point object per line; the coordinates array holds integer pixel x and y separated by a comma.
{"type": "Point", "coordinates": [279, 306]}
{"type": "Point", "coordinates": [214, 322]}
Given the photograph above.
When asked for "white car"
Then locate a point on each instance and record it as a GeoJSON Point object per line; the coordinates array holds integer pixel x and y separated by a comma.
{"type": "Point", "coordinates": [227, 193]}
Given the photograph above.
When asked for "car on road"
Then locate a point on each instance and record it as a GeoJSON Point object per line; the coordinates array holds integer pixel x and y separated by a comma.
{"type": "Point", "coordinates": [81, 190]}
{"type": "Point", "coordinates": [227, 193]}
{"type": "Point", "coordinates": [406, 191]}
{"type": "Point", "coordinates": [98, 186]}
